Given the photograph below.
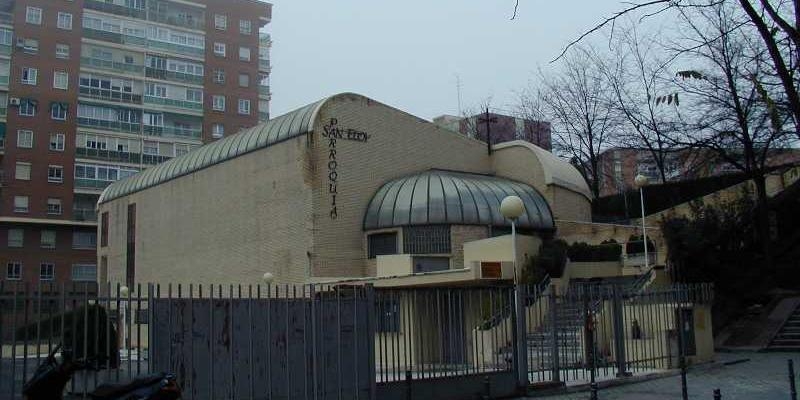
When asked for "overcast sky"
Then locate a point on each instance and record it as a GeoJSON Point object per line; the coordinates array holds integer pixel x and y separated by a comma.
{"type": "Point", "coordinates": [407, 54]}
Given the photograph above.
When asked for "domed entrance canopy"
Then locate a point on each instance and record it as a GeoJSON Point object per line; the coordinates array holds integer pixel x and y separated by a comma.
{"type": "Point", "coordinates": [454, 198]}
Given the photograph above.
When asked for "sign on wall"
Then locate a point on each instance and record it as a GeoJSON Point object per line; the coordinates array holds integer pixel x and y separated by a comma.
{"type": "Point", "coordinates": [334, 133]}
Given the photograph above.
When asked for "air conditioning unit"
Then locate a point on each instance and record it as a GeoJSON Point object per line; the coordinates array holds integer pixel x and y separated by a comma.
{"type": "Point", "coordinates": [13, 101]}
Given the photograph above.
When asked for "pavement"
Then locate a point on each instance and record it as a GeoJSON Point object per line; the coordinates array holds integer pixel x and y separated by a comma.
{"type": "Point", "coordinates": [764, 376]}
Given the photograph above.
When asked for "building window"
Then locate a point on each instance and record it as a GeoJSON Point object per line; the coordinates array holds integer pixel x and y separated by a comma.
{"type": "Point", "coordinates": [60, 80]}
{"type": "Point", "coordinates": [431, 239]}
{"type": "Point", "coordinates": [23, 171]}
{"type": "Point", "coordinates": [104, 229]}
{"type": "Point", "coordinates": [219, 76]}
{"type": "Point", "coordinates": [155, 90]}
{"type": "Point", "coordinates": [14, 271]}
{"type": "Point", "coordinates": [220, 22]}
{"type": "Point", "coordinates": [431, 264]}
{"type": "Point", "coordinates": [217, 131]}
{"type": "Point", "coordinates": [218, 103]}
{"type": "Point", "coordinates": [47, 271]}
{"type": "Point", "coordinates": [62, 51]}
{"type": "Point", "coordinates": [84, 273]}
{"type": "Point", "coordinates": [194, 95]}
{"type": "Point", "coordinates": [21, 204]}
{"type": "Point", "coordinates": [58, 111]}
{"type": "Point", "coordinates": [244, 80]}
{"type": "Point", "coordinates": [27, 107]}
{"type": "Point", "coordinates": [57, 141]}
{"type": "Point", "coordinates": [29, 75]}
{"type": "Point", "coordinates": [388, 312]}
{"type": "Point", "coordinates": [150, 148]}
{"type": "Point", "coordinates": [64, 21]}
{"type": "Point", "coordinates": [219, 49]}
{"type": "Point", "coordinates": [181, 149]}
{"type": "Point", "coordinates": [33, 15]}
{"type": "Point", "coordinates": [380, 244]}
{"type": "Point", "coordinates": [25, 139]}
{"type": "Point", "coordinates": [30, 46]}
{"type": "Point", "coordinates": [130, 239]}
{"type": "Point", "coordinates": [55, 174]}
{"type": "Point", "coordinates": [16, 238]}
{"type": "Point", "coordinates": [244, 54]}
{"type": "Point", "coordinates": [244, 106]}
{"type": "Point", "coordinates": [84, 240]}
{"type": "Point", "coordinates": [245, 26]}
{"type": "Point", "coordinates": [48, 240]}
{"type": "Point", "coordinates": [53, 206]}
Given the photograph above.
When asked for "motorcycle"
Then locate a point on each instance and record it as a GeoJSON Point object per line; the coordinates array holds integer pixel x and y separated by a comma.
{"type": "Point", "coordinates": [51, 377]}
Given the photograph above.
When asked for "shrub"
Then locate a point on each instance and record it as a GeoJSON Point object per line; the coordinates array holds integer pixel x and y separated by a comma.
{"type": "Point", "coordinates": [606, 251]}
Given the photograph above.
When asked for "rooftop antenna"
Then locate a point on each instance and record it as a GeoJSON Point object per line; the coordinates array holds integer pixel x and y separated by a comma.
{"type": "Point", "coordinates": [458, 89]}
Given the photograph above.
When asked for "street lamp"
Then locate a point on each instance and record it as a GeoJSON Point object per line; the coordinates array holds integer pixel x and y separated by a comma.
{"type": "Point", "coordinates": [268, 278]}
{"type": "Point", "coordinates": [512, 207]}
{"type": "Point", "coordinates": [641, 181]}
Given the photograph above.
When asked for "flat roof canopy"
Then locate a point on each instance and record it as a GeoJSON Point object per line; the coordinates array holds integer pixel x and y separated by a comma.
{"type": "Point", "coordinates": [454, 198]}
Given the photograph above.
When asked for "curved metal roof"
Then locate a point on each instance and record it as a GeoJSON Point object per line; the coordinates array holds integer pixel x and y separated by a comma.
{"type": "Point", "coordinates": [287, 126]}
{"type": "Point", "coordinates": [447, 197]}
{"type": "Point", "coordinates": [556, 170]}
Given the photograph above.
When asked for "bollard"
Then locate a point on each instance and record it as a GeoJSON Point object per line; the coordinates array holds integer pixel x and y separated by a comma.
{"type": "Point", "coordinates": [792, 388]}
{"type": "Point", "coordinates": [593, 393]}
{"type": "Point", "coordinates": [487, 388]}
{"type": "Point", "coordinates": [717, 394]}
{"type": "Point", "coordinates": [408, 384]}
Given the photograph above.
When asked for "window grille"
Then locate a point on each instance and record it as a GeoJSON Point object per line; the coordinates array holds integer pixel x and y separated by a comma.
{"type": "Point", "coordinates": [431, 239]}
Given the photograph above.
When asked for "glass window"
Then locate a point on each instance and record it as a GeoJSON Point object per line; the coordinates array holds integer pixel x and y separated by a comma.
{"type": "Point", "coordinates": [244, 106]}
{"type": "Point", "coordinates": [150, 148]}
{"type": "Point", "coordinates": [47, 271]}
{"type": "Point", "coordinates": [6, 37]}
{"type": "Point", "coordinates": [84, 240]}
{"type": "Point", "coordinates": [62, 51]}
{"type": "Point", "coordinates": [219, 49]}
{"type": "Point", "coordinates": [33, 15]}
{"type": "Point", "coordinates": [181, 149]}
{"type": "Point", "coordinates": [84, 272]}
{"type": "Point", "coordinates": [25, 139]}
{"type": "Point", "coordinates": [55, 174]}
{"type": "Point", "coordinates": [217, 131]}
{"type": "Point", "coordinates": [380, 244]}
{"type": "Point", "coordinates": [244, 54]}
{"type": "Point", "coordinates": [60, 80]}
{"type": "Point", "coordinates": [14, 271]}
{"type": "Point", "coordinates": [30, 46]}
{"type": "Point", "coordinates": [64, 20]}
{"type": "Point", "coordinates": [21, 204]}
{"type": "Point", "coordinates": [219, 76]}
{"type": "Point", "coordinates": [194, 95]}
{"type": "Point", "coordinates": [245, 26]}
{"type": "Point", "coordinates": [431, 264]}
{"type": "Point", "coordinates": [58, 111]}
{"type": "Point", "coordinates": [48, 240]}
{"type": "Point", "coordinates": [16, 237]}
{"type": "Point", "coordinates": [53, 206]}
{"type": "Point", "coordinates": [218, 103]}
{"type": "Point", "coordinates": [244, 80]}
{"type": "Point", "coordinates": [29, 75]}
{"type": "Point", "coordinates": [220, 22]}
{"type": "Point", "coordinates": [57, 141]}
{"type": "Point", "coordinates": [23, 171]}
{"type": "Point", "coordinates": [27, 108]}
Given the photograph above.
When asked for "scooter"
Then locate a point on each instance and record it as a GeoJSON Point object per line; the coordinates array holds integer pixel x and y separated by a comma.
{"type": "Point", "coordinates": [51, 377]}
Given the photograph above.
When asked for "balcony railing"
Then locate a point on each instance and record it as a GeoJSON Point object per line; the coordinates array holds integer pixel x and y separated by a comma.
{"type": "Point", "coordinates": [91, 183]}
{"type": "Point", "coordinates": [153, 159]}
{"type": "Point", "coordinates": [263, 65]}
{"type": "Point", "coordinates": [114, 37]}
{"type": "Point", "coordinates": [263, 90]}
{"type": "Point", "coordinates": [3, 80]}
{"type": "Point", "coordinates": [178, 20]}
{"type": "Point", "coordinates": [108, 155]}
{"type": "Point", "coordinates": [118, 126]}
{"type": "Point", "coordinates": [111, 95]}
{"type": "Point", "coordinates": [3, 111]}
{"type": "Point", "coordinates": [6, 18]}
{"type": "Point", "coordinates": [173, 103]}
{"type": "Point", "coordinates": [84, 214]}
{"type": "Point", "coordinates": [114, 9]}
{"type": "Point", "coordinates": [111, 65]}
{"type": "Point", "coordinates": [173, 131]}
{"type": "Point", "coordinates": [173, 76]}
{"type": "Point", "coordinates": [6, 49]}
{"type": "Point", "coordinates": [263, 116]}
{"type": "Point", "coordinates": [176, 48]}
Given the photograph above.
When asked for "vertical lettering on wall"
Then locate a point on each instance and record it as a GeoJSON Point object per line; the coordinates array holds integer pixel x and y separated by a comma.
{"type": "Point", "coordinates": [333, 133]}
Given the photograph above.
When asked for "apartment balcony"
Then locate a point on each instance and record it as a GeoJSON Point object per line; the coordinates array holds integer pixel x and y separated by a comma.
{"type": "Point", "coordinates": [112, 37]}
{"type": "Point", "coordinates": [117, 126]}
{"type": "Point", "coordinates": [173, 76]}
{"type": "Point", "coordinates": [82, 183]}
{"type": "Point", "coordinates": [3, 111]}
{"type": "Point", "coordinates": [264, 65]}
{"type": "Point", "coordinates": [84, 214]}
{"type": "Point", "coordinates": [108, 155]}
{"type": "Point", "coordinates": [177, 20]}
{"type": "Point", "coordinates": [6, 18]}
{"type": "Point", "coordinates": [4, 80]}
{"type": "Point", "coordinates": [188, 105]}
{"type": "Point", "coordinates": [176, 48]}
{"type": "Point", "coordinates": [154, 159]}
{"type": "Point", "coordinates": [111, 66]}
{"type": "Point", "coordinates": [111, 95]}
{"type": "Point", "coordinates": [115, 9]}
{"type": "Point", "coordinates": [6, 49]}
{"type": "Point", "coordinates": [173, 131]}
{"type": "Point", "coordinates": [263, 116]}
{"type": "Point", "coordinates": [263, 90]}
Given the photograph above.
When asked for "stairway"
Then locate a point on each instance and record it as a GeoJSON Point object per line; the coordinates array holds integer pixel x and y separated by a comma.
{"type": "Point", "coordinates": [788, 338]}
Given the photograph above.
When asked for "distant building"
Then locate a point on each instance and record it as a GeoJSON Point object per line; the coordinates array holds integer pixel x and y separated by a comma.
{"type": "Point", "coordinates": [619, 166]}
{"type": "Point", "coordinates": [504, 128]}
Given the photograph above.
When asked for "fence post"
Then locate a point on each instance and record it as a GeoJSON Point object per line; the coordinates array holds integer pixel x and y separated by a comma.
{"type": "Point", "coordinates": [521, 342]}
{"type": "Point", "coordinates": [556, 374]}
{"type": "Point", "coordinates": [370, 316]}
{"type": "Point", "coordinates": [792, 388]}
{"type": "Point", "coordinates": [619, 333]}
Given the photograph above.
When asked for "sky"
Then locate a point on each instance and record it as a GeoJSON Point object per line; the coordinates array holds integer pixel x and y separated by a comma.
{"type": "Point", "coordinates": [411, 54]}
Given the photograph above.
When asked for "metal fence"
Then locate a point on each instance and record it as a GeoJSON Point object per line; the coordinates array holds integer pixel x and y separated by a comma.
{"type": "Point", "coordinates": [346, 342]}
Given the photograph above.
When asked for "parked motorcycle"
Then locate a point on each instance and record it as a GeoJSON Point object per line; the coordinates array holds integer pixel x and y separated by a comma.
{"type": "Point", "coordinates": [51, 377]}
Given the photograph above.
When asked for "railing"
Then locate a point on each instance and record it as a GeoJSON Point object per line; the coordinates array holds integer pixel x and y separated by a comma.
{"type": "Point", "coordinates": [114, 9]}
{"type": "Point", "coordinates": [171, 131]}
{"type": "Point", "coordinates": [111, 65]}
{"type": "Point", "coordinates": [153, 159]}
{"type": "Point", "coordinates": [263, 90]}
{"type": "Point", "coordinates": [84, 214]}
{"type": "Point", "coordinates": [263, 116]}
{"type": "Point", "coordinates": [108, 155]}
{"type": "Point", "coordinates": [117, 126]}
{"type": "Point", "coordinates": [173, 76]}
{"type": "Point", "coordinates": [6, 49]}
{"type": "Point", "coordinates": [172, 19]}
{"type": "Point", "coordinates": [114, 37]}
{"type": "Point", "coordinates": [263, 65]}
{"type": "Point", "coordinates": [3, 80]}
{"type": "Point", "coordinates": [111, 95]}
{"type": "Point", "coordinates": [173, 103]}
{"type": "Point", "coordinates": [91, 183]}
{"type": "Point", "coordinates": [176, 48]}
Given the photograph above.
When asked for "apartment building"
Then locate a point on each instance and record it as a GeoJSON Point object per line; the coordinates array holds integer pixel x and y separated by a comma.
{"type": "Point", "coordinates": [502, 128]}
{"type": "Point", "coordinates": [93, 91]}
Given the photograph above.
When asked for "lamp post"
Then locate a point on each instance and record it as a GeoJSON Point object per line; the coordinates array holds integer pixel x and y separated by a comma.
{"type": "Point", "coordinates": [267, 278]}
{"type": "Point", "coordinates": [124, 292]}
{"type": "Point", "coordinates": [641, 181]}
{"type": "Point", "coordinates": [512, 207]}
